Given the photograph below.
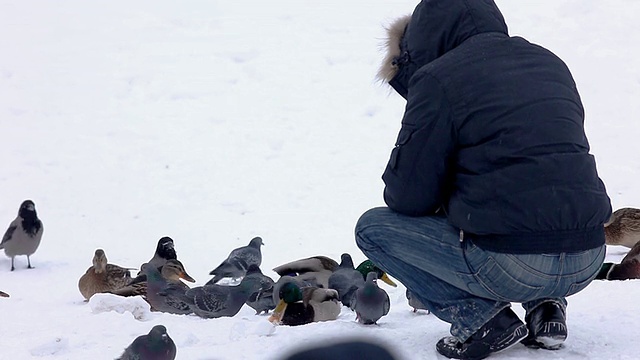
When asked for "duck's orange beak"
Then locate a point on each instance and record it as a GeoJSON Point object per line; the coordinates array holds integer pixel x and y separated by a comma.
{"type": "Point", "coordinates": [387, 280]}
{"type": "Point", "coordinates": [278, 313]}
{"type": "Point", "coordinates": [187, 277]}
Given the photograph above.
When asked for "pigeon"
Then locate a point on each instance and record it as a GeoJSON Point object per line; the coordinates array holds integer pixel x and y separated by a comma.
{"type": "Point", "coordinates": [236, 269]}
{"type": "Point", "coordinates": [214, 301]}
{"type": "Point", "coordinates": [261, 300]}
{"type": "Point", "coordinates": [24, 234]}
{"type": "Point", "coordinates": [102, 276]}
{"type": "Point", "coordinates": [172, 271]}
{"type": "Point", "coordinates": [414, 302]}
{"type": "Point", "coordinates": [346, 280]}
{"type": "Point", "coordinates": [370, 302]}
{"type": "Point", "coordinates": [314, 270]}
{"type": "Point", "coordinates": [165, 291]}
{"type": "Point", "coordinates": [164, 251]}
{"type": "Point", "coordinates": [3, 294]}
{"type": "Point", "coordinates": [157, 345]}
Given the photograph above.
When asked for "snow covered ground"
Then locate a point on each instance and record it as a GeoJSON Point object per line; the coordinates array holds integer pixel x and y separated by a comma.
{"type": "Point", "coordinates": [216, 121]}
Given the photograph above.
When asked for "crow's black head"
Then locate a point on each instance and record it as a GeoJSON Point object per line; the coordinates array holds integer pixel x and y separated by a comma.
{"type": "Point", "coordinates": [165, 249]}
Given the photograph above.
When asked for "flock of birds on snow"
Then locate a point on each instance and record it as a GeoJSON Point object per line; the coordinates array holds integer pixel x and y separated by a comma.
{"type": "Point", "coordinates": [308, 290]}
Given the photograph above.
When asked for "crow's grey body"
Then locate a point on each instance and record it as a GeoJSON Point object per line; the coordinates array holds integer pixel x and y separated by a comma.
{"type": "Point", "coordinates": [24, 234]}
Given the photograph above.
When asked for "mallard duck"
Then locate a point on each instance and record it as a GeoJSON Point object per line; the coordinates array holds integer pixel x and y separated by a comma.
{"type": "Point", "coordinates": [214, 301]}
{"type": "Point", "coordinates": [102, 277]}
{"type": "Point", "coordinates": [172, 271]}
{"type": "Point", "coordinates": [367, 266]}
{"type": "Point", "coordinates": [414, 302]}
{"type": "Point", "coordinates": [156, 345]}
{"type": "Point", "coordinates": [165, 291]}
{"type": "Point", "coordinates": [314, 270]}
{"type": "Point", "coordinates": [346, 280]}
{"type": "Point", "coordinates": [299, 306]}
{"type": "Point", "coordinates": [623, 228]}
{"type": "Point", "coordinates": [238, 261]}
{"type": "Point", "coordinates": [261, 300]}
{"type": "Point", "coordinates": [3, 294]}
{"type": "Point", "coordinates": [370, 302]}
{"type": "Point", "coordinates": [24, 234]}
{"type": "Point", "coordinates": [629, 267]}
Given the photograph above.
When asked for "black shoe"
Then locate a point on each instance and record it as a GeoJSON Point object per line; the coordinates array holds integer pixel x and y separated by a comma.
{"type": "Point", "coordinates": [499, 333]}
{"type": "Point", "coordinates": [547, 326]}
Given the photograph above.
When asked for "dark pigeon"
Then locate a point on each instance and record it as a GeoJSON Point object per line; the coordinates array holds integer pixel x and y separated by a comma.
{"type": "Point", "coordinates": [156, 345]}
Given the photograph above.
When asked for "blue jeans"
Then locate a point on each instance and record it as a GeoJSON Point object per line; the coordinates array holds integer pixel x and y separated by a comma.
{"type": "Point", "coordinates": [461, 283]}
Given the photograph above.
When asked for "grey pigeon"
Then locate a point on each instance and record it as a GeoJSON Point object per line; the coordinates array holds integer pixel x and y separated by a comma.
{"type": "Point", "coordinates": [156, 345]}
{"type": "Point", "coordinates": [370, 302]}
{"type": "Point", "coordinates": [165, 250]}
{"type": "Point", "coordinates": [214, 301]}
{"type": "Point", "coordinates": [414, 302]}
{"type": "Point", "coordinates": [233, 268]}
{"type": "Point", "coordinates": [24, 234]}
{"type": "Point", "coordinates": [314, 270]}
{"type": "Point", "coordinates": [138, 285]}
{"type": "Point", "coordinates": [346, 280]}
{"type": "Point", "coordinates": [261, 300]}
{"type": "Point", "coordinates": [165, 291]}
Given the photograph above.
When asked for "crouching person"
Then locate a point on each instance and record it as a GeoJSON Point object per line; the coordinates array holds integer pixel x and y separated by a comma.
{"type": "Point", "coordinates": [492, 194]}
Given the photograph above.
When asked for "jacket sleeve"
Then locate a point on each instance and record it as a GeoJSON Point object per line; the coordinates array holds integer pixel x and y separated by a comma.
{"type": "Point", "coordinates": [418, 178]}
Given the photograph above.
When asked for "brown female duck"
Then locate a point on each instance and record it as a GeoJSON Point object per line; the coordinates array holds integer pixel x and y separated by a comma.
{"type": "Point", "coordinates": [102, 276]}
{"type": "Point", "coordinates": [623, 228]}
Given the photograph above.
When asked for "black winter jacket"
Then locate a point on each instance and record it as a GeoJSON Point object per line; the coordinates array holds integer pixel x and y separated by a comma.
{"type": "Point", "coordinates": [492, 135]}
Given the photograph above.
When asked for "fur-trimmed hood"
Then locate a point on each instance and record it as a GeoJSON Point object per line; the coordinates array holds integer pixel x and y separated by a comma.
{"type": "Point", "coordinates": [434, 28]}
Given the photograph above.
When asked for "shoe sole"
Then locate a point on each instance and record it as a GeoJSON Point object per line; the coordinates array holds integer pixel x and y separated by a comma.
{"type": "Point", "coordinates": [551, 337]}
{"type": "Point", "coordinates": [513, 338]}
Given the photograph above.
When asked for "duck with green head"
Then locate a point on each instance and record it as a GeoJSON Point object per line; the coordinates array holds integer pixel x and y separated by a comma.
{"type": "Point", "coordinates": [299, 306]}
{"type": "Point", "coordinates": [628, 268]}
{"type": "Point", "coordinates": [368, 266]}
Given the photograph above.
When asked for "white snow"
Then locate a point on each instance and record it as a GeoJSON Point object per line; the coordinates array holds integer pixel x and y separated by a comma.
{"type": "Point", "coordinates": [216, 121]}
